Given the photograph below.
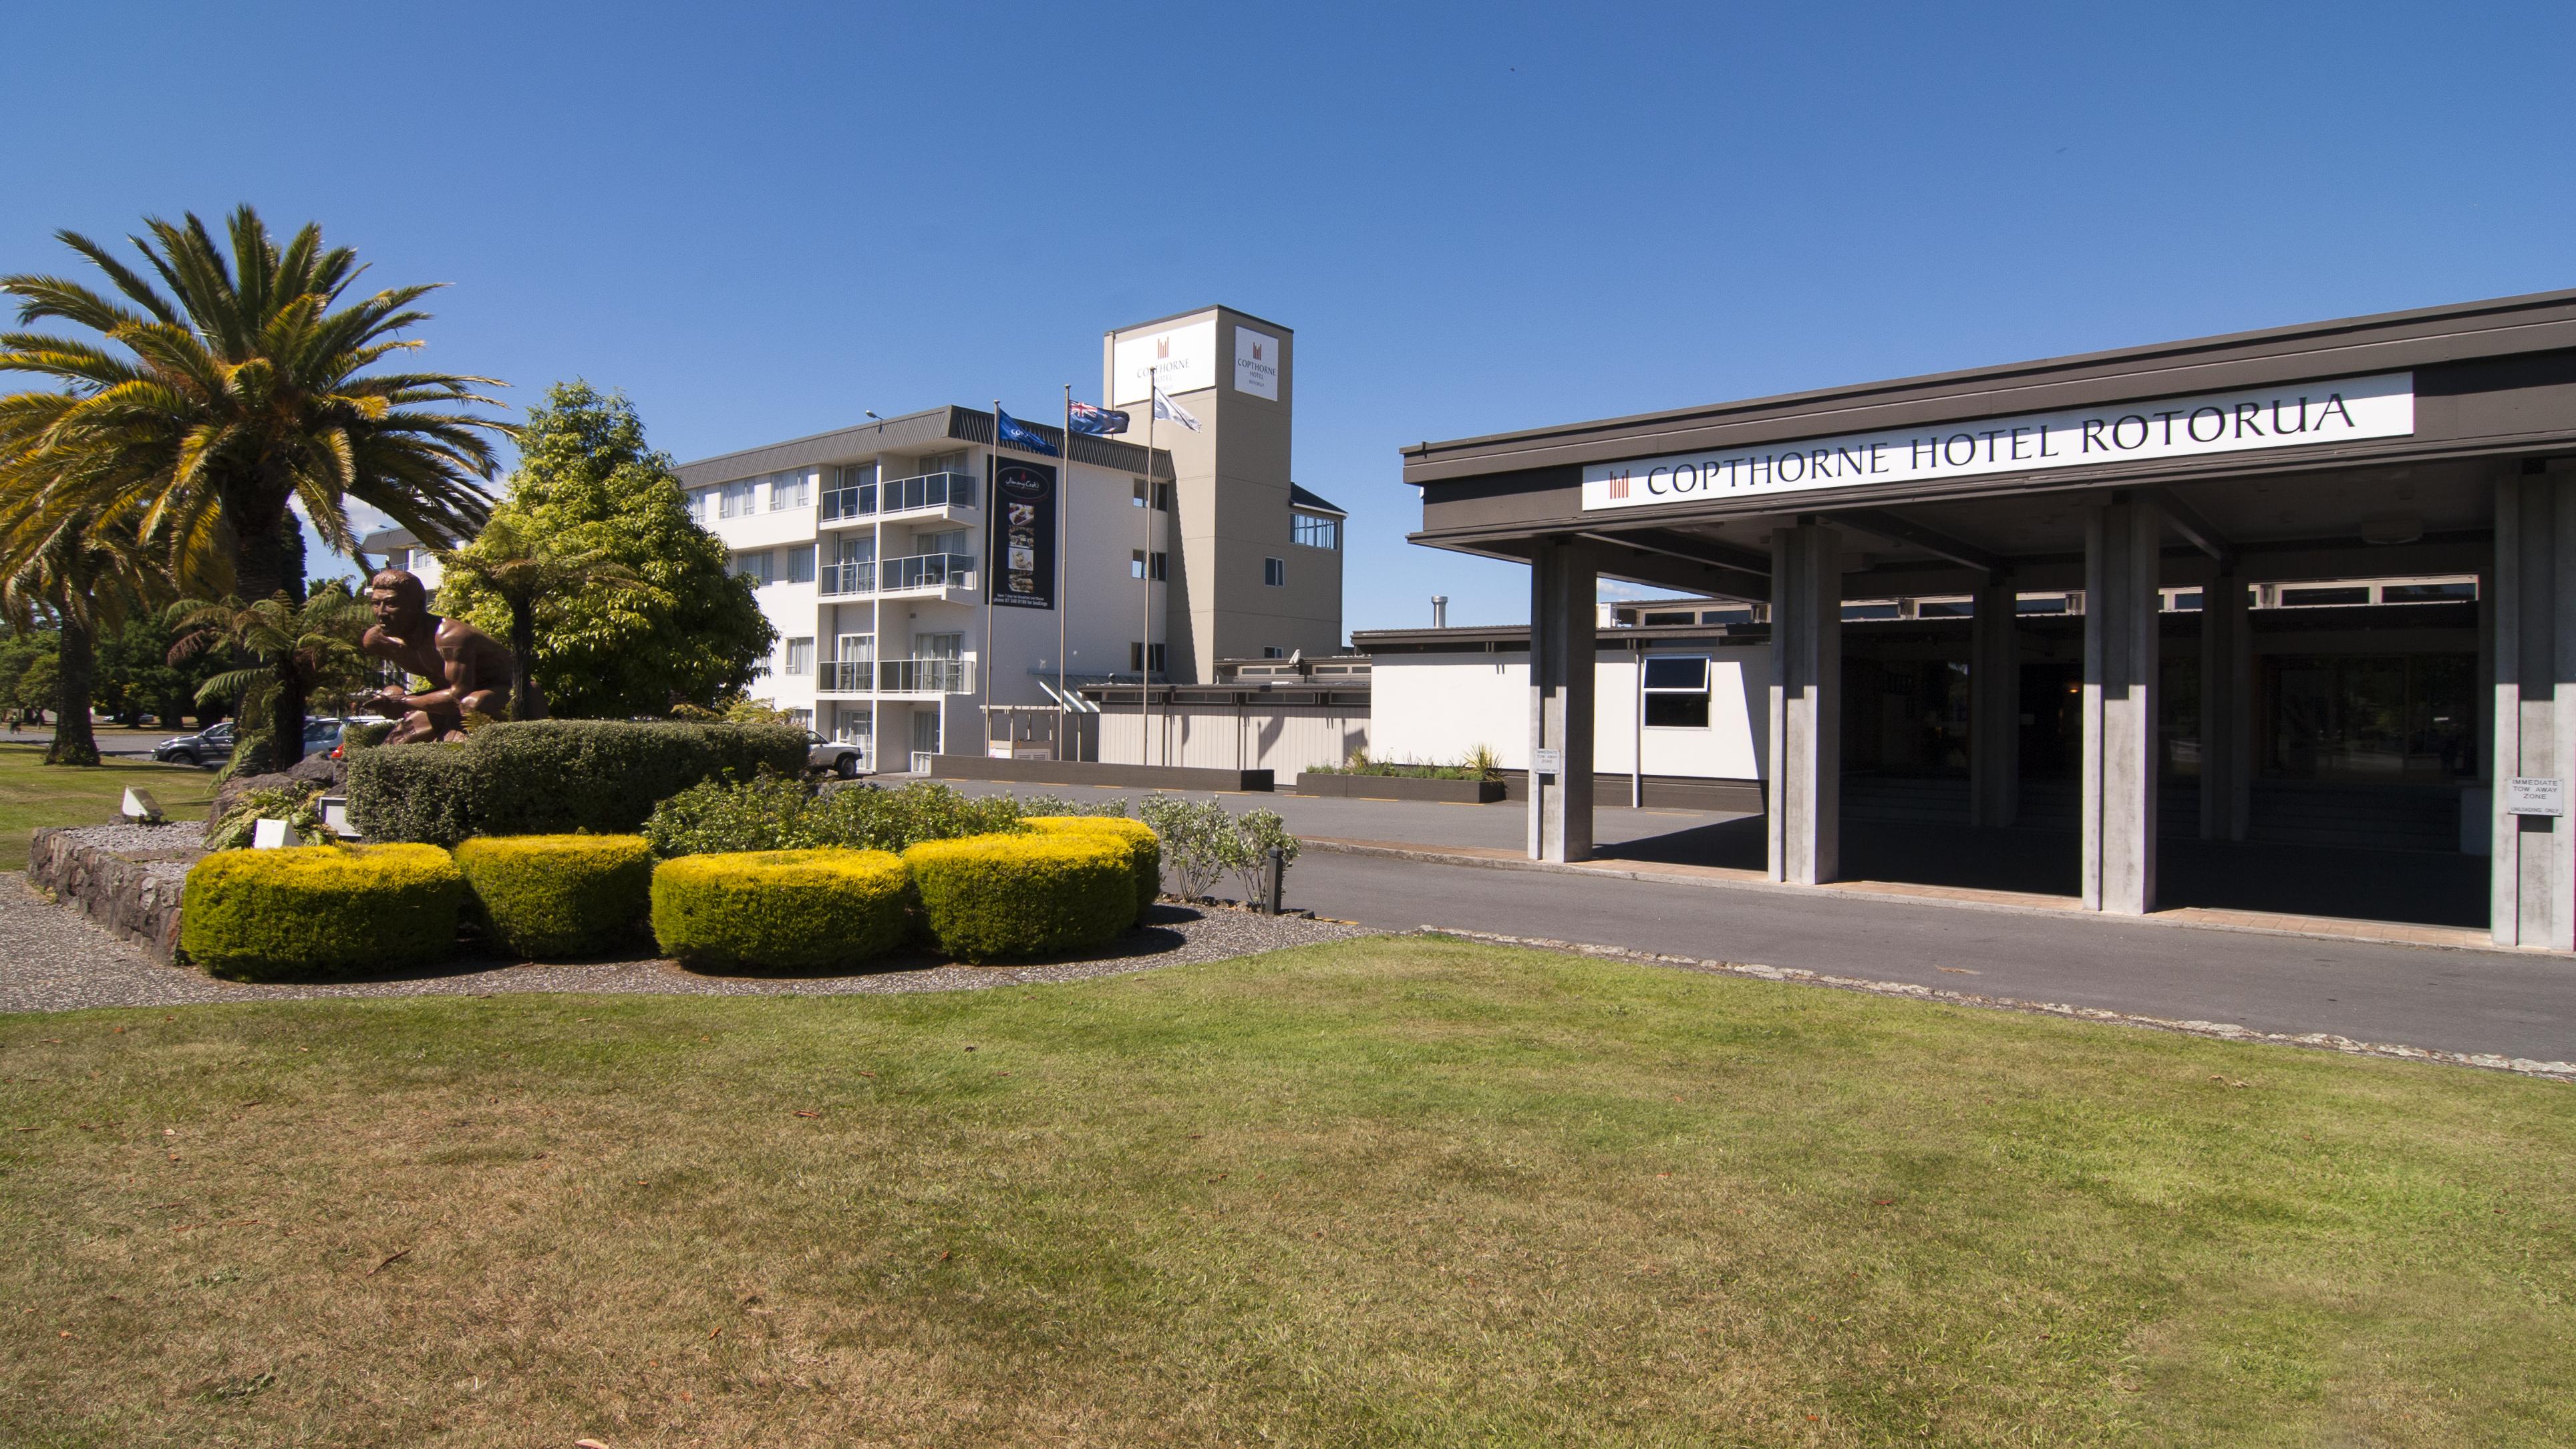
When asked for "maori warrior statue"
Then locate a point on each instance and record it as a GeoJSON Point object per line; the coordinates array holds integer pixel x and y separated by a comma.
{"type": "Point", "coordinates": [467, 669]}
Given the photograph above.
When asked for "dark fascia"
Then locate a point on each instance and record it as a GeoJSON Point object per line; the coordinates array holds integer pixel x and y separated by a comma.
{"type": "Point", "coordinates": [1473, 637]}
{"type": "Point", "coordinates": [1299, 496]}
{"type": "Point", "coordinates": [2384, 342]}
{"type": "Point", "coordinates": [1196, 312]}
{"type": "Point", "coordinates": [906, 431]}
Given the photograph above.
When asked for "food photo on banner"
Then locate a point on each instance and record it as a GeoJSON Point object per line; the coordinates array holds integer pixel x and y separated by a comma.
{"type": "Point", "coordinates": [1023, 544]}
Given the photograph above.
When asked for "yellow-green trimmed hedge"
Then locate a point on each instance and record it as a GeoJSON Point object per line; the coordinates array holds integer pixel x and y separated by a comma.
{"type": "Point", "coordinates": [786, 910]}
{"type": "Point", "coordinates": [991, 896]}
{"type": "Point", "coordinates": [1144, 847]}
{"type": "Point", "coordinates": [320, 910]}
{"type": "Point", "coordinates": [558, 895]}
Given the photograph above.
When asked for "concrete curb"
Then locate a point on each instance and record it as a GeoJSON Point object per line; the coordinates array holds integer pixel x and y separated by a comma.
{"type": "Point", "coordinates": [2214, 1030]}
{"type": "Point", "coordinates": [2398, 935]}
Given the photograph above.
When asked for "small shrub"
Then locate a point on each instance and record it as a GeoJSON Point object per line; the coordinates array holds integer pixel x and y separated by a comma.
{"type": "Point", "coordinates": [872, 818]}
{"type": "Point", "coordinates": [320, 910]}
{"type": "Point", "coordinates": [1144, 848]}
{"type": "Point", "coordinates": [988, 897]}
{"type": "Point", "coordinates": [554, 775]}
{"type": "Point", "coordinates": [364, 737]}
{"type": "Point", "coordinates": [1256, 834]}
{"type": "Point", "coordinates": [558, 895]}
{"type": "Point", "coordinates": [1202, 844]}
{"type": "Point", "coordinates": [299, 805]}
{"type": "Point", "coordinates": [769, 813]}
{"type": "Point", "coordinates": [788, 910]}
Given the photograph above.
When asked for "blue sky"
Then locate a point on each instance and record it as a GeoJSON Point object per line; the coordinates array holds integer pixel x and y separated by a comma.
{"type": "Point", "coordinates": [759, 221]}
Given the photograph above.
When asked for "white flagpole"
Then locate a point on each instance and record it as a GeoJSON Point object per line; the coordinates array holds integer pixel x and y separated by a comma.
{"type": "Point", "coordinates": [985, 578]}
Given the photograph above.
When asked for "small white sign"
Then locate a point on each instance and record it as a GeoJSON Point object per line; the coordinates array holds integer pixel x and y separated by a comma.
{"type": "Point", "coordinates": [1256, 363]}
{"type": "Point", "coordinates": [1181, 358]}
{"type": "Point", "coordinates": [1547, 762]}
{"type": "Point", "coordinates": [268, 835]}
{"type": "Point", "coordinates": [139, 805]}
{"type": "Point", "coordinates": [2525, 795]}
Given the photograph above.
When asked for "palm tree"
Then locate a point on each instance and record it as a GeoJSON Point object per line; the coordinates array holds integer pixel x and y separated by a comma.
{"type": "Point", "coordinates": [297, 646]}
{"type": "Point", "coordinates": [203, 419]}
{"type": "Point", "coordinates": [510, 561]}
{"type": "Point", "coordinates": [85, 577]}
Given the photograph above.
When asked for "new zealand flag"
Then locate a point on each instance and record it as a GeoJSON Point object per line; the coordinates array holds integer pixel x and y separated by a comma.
{"type": "Point", "coordinates": [1098, 422]}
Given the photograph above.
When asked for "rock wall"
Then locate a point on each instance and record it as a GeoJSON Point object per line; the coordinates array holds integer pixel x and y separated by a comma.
{"type": "Point", "coordinates": [128, 878]}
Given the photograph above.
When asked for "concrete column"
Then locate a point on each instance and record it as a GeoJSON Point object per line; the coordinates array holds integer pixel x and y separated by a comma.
{"type": "Point", "coordinates": [2122, 540]}
{"type": "Point", "coordinates": [1994, 708]}
{"type": "Point", "coordinates": [2226, 710]}
{"type": "Point", "coordinates": [1564, 583]}
{"type": "Point", "coordinates": [2535, 706]}
{"type": "Point", "coordinates": [1806, 785]}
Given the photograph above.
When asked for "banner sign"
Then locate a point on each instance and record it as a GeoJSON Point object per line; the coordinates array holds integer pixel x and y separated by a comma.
{"type": "Point", "coordinates": [1256, 363]}
{"type": "Point", "coordinates": [1020, 556]}
{"type": "Point", "coordinates": [2293, 415]}
{"type": "Point", "coordinates": [1182, 358]}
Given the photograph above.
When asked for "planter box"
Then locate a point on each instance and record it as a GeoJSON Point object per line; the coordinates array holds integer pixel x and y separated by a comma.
{"type": "Point", "coordinates": [1400, 787]}
{"type": "Point", "coordinates": [1092, 772]}
{"type": "Point", "coordinates": [121, 877]}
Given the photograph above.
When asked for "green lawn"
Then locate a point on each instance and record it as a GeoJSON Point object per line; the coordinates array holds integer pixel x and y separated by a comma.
{"type": "Point", "coordinates": [33, 793]}
{"type": "Point", "coordinates": [1395, 1192]}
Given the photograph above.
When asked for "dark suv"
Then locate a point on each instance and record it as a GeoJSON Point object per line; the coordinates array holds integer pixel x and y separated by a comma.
{"type": "Point", "coordinates": [214, 745]}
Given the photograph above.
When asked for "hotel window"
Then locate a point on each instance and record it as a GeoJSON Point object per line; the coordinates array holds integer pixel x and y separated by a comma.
{"type": "Point", "coordinates": [1677, 693]}
{"type": "Point", "coordinates": [1136, 656]}
{"type": "Point", "coordinates": [1273, 651]}
{"type": "Point", "coordinates": [752, 566]}
{"type": "Point", "coordinates": [800, 656]}
{"type": "Point", "coordinates": [702, 505]}
{"type": "Point", "coordinates": [1314, 530]}
{"type": "Point", "coordinates": [1136, 564]}
{"type": "Point", "coordinates": [737, 498]}
{"type": "Point", "coordinates": [1162, 496]}
{"type": "Point", "coordinates": [1274, 572]}
{"type": "Point", "coordinates": [853, 494]}
{"type": "Point", "coordinates": [788, 490]}
{"type": "Point", "coordinates": [800, 564]}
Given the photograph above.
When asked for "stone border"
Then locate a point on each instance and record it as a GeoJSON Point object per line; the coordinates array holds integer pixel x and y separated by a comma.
{"type": "Point", "coordinates": [134, 896]}
{"type": "Point", "coordinates": [2216, 1030]}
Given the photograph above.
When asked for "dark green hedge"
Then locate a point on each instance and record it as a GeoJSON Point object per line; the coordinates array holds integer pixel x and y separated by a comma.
{"type": "Point", "coordinates": [554, 776]}
{"type": "Point", "coordinates": [993, 896]}
{"type": "Point", "coordinates": [558, 895]}
{"type": "Point", "coordinates": [781, 910]}
{"type": "Point", "coordinates": [320, 910]}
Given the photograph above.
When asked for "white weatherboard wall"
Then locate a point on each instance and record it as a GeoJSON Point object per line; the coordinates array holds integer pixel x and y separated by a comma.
{"type": "Point", "coordinates": [1434, 709]}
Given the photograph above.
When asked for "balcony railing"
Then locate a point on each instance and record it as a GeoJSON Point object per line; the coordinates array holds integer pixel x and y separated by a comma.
{"type": "Point", "coordinates": [896, 676]}
{"type": "Point", "coordinates": [848, 578]}
{"type": "Point", "coordinates": [926, 571]}
{"type": "Point", "coordinates": [900, 495]}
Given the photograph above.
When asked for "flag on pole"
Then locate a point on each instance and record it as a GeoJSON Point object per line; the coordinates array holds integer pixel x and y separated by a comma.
{"type": "Point", "coordinates": [1169, 411]}
{"type": "Point", "coordinates": [1010, 432]}
{"type": "Point", "coordinates": [1095, 422]}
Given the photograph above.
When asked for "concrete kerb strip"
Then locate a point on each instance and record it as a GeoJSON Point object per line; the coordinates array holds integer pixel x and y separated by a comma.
{"type": "Point", "coordinates": [1722, 878]}
{"type": "Point", "coordinates": [2215, 1030]}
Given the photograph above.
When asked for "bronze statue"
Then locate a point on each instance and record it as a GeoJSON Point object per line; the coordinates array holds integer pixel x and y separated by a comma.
{"type": "Point", "coordinates": [467, 669]}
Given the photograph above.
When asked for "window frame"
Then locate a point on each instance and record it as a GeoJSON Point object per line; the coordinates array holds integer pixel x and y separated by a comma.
{"type": "Point", "coordinates": [1649, 692]}
{"type": "Point", "coordinates": [1274, 573]}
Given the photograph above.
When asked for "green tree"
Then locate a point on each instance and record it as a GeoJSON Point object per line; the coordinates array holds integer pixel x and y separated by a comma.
{"type": "Point", "coordinates": [524, 570]}
{"type": "Point", "coordinates": [684, 632]}
{"type": "Point", "coordinates": [202, 419]}
{"type": "Point", "coordinates": [83, 574]}
{"type": "Point", "coordinates": [136, 677]}
{"type": "Point", "coordinates": [299, 648]}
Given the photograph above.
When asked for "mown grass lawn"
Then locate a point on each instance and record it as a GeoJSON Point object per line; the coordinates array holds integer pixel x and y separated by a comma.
{"type": "Point", "coordinates": [1399, 1191]}
{"type": "Point", "coordinates": [33, 793]}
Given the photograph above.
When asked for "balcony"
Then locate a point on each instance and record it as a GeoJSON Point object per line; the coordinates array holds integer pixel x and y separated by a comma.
{"type": "Point", "coordinates": [919, 572]}
{"type": "Point", "coordinates": [895, 676]}
{"type": "Point", "coordinates": [847, 578]}
{"type": "Point", "coordinates": [941, 494]}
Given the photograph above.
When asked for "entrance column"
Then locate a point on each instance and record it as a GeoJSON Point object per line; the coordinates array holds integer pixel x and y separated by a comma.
{"type": "Point", "coordinates": [1564, 586]}
{"type": "Point", "coordinates": [2534, 861]}
{"type": "Point", "coordinates": [2226, 710]}
{"type": "Point", "coordinates": [2122, 541]}
{"type": "Point", "coordinates": [1994, 706]}
{"type": "Point", "coordinates": [1805, 792]}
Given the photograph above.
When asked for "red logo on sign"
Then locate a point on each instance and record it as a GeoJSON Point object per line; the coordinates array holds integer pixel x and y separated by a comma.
{"type": "Point", "coordinates": [1162, 348]}
{"type": "Point", "coordinates": [1256, 352]}
{"type": "Point", "coordinates": [1618, 485]}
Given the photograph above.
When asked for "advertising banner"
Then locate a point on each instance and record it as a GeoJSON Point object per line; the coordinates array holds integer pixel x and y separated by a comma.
{"type": "Point", "coordinates": [1021, 553]}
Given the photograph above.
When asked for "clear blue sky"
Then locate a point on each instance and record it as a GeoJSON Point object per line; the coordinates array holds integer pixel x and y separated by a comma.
{"type": "Point", "coordinates": [759, 221]}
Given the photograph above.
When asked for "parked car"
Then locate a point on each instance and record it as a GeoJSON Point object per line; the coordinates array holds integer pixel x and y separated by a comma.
{"type": "Point", "coordinates": [210, 746]}
{"type": "Point", "coordinates": [845, 758]}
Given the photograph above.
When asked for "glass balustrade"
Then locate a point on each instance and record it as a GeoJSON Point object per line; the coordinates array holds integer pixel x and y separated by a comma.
{"type": "Point", "coordinates": [927, 571]}
{"type": "Point", "coordinates": [900, 495]}
{"type": "Point", "coordinates": [848, 578]}
{"type": "Point", "coordinates": [896, 676]}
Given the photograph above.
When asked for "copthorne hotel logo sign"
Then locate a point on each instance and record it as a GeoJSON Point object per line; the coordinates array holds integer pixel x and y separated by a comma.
{"type": "Point", "coordinates": [2295, 415]}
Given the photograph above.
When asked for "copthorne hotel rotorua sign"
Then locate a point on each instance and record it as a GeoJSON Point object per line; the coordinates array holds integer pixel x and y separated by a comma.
{"type": "Point", "coordinates": [2293, 416]}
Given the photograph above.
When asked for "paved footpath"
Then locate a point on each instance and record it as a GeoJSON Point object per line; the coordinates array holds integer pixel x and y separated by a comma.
{"type": "Point", "coordinates": [2509, 1003]}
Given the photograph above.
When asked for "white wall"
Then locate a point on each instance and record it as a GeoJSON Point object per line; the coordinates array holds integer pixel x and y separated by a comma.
{"type": "Point", "coordinates": [1433, 709]}
{"type": "Point", "coordinates": [1280, 738]}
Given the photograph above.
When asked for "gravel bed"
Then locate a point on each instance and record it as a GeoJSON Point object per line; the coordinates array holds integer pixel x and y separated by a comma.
{"type": "Point", "coordinates": [52, 959]}
{"type": "Point", "coordinates": [186, 835]}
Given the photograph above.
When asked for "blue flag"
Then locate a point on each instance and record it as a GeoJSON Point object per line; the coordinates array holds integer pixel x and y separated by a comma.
{"type": "Point", "coordinates": [1097, 422]}
{"type": "Point", "coordinates": [1010, 432]}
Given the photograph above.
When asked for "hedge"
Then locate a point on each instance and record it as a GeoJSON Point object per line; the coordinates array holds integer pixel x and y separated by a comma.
{"type": "Point", "coordinates": [558, 895]}
{"type": "Point", "coordinates": [789, 910]}
{"type": "Point", "coordinates": [1144, 847]}
{"type": "Point", "coordinates": [554, 776]}
{"type": "Point", "coordinates": [991, 896]}
{"type": "Point", "coordinates": [320, 910]}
